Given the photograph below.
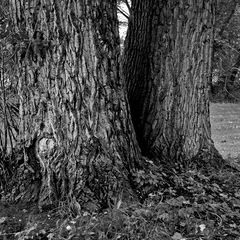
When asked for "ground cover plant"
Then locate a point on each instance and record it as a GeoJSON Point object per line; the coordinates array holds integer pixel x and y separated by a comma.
{"type": "Point", "coordinates": [198, 204]}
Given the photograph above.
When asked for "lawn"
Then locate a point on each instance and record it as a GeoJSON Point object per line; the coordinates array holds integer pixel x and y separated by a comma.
{"type": "Point", "coordinates": [225, 121]}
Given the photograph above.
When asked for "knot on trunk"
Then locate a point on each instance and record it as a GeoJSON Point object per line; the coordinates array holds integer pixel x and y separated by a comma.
{"type": "Point", "coordinates": [46, 146]}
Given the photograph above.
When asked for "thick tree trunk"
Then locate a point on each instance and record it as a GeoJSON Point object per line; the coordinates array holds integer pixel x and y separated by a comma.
{"type": "Point", "coordinates": [75, 120]}
{"type": "Point", "coordinates": [167, 65]}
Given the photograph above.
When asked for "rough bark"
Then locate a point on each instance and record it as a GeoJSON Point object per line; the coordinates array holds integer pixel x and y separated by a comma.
{"type": "Point", "coordinates": [75, 121]}
{"type": "Point", "coordinates": [166, 66]}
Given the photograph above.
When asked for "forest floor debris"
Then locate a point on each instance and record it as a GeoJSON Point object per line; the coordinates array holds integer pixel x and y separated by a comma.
{"type": "Point", "coordinates": [197, 206]}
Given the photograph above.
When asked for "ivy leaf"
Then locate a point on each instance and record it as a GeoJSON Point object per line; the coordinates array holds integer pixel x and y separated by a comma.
{"type": "Point", "coordinates": [164, 217]}
{"type": "Point", "coordinates": [237, 194]}
{"type": "Point", "coordinates": [234, 225]}
{"type": "Point", "coordinates": [176, 202]}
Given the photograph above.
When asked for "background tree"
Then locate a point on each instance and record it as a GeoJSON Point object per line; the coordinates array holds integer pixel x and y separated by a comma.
{"type": "Point", "coordinates": [226, 51]}
{"type": "Point", "coordinates": [167, 66]}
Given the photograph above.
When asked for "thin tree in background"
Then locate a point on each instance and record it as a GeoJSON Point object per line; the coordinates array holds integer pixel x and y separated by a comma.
{"type": "Point", "coordinates": [226, 52]}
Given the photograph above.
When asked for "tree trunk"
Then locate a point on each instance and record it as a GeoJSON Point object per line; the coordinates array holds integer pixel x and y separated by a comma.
{"type": "Point", "coordinates": [234, 71]}
{"type": "Point", "coordinates": [75, 121]}
{"type": "Point", "coordinates": [166, 66]}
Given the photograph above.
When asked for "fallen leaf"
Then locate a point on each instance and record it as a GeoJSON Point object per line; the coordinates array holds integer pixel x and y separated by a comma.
{"type": "Point", "coordinates": [234, 225]}
{"type": "Point", "coordinates": [2, 220]}
{"type": "Point", "coordinates": [177, 236]}
{"type": "Point", "coordinates": [202, 227]}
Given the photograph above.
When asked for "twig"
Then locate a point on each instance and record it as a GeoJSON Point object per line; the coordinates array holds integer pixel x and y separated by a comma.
{"type": "Point", "coordinates": [128, 5]}
{"type": "Point", "coordinates": [124, 13]}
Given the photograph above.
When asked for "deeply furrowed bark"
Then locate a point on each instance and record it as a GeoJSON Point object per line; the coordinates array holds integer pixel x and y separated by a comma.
{"type": "Point", "coordinates": [167, 66]}
{"type": "Point", "coordinates": [75, 120]}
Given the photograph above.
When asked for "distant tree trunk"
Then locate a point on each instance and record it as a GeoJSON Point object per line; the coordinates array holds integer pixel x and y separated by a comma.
{"type": "Point", "coordinates": [224, 16]}
{"type": "Point", "coordinates": [234, 71]}
{"type": "Point", "coordinates": [75, 123]}
{"type": "Point", "coordinates": [166, 66]}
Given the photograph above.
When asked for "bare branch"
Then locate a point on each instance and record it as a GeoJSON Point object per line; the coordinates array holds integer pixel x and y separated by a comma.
{"type": "Point", "coordinates": [124, 13]}
{"type": "Point", "coordinates": [128, 5]}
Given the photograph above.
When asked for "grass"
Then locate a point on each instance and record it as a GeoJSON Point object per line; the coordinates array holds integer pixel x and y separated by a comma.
{"type": "Point", "coordinates": [225, 121]}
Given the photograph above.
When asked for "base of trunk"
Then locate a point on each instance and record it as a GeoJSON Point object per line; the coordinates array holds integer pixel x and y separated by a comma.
{"type": "Point", "coordinates": [22, 176]}
{"type": "Point", "coordinates": [98, 187]}
{"type": "Point", "coordinates": [208, 158]}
